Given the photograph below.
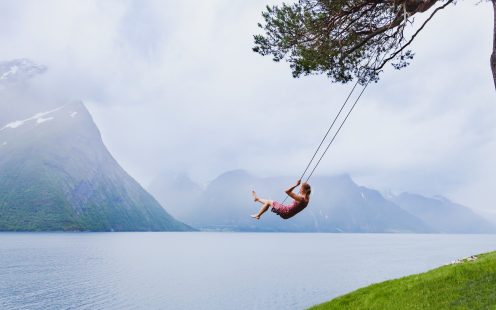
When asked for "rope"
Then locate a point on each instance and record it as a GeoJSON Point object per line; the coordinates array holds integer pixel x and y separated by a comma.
{"type": "Point", "coordinates": [342, 124]}
{"type": "Point", "coordinates": [329, 130]}
{"type": "Point", "coordinates": [332, 125]}
{"type": "Point", "coordinates": [333, 122]}
{"type": "Point", "coordinates": [337, 132]}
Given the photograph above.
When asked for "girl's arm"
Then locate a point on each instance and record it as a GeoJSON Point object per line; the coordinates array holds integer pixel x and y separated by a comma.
{"type": "Point", "coordinates": [290, 193]}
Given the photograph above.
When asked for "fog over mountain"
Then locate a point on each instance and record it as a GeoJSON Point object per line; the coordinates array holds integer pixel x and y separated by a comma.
{"type": "Point", "coordinates": [18, 71]}
{"type": "Point", "coordinates": [443, 214]}
{"type": "Point", "coordinates": [55, 171]}
{"type": "Point", "coordinates": [338, 204]}
{"type": "Point", "coordinates": [56, 174]}
{"type": "Point", "coordinates": [176, 85]}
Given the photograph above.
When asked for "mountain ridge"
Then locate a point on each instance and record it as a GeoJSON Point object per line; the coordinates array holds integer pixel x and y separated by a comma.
{"type": "Point", "coordinates": [57, 175]}
{"type": "Point", "coordinates": [338, 204]}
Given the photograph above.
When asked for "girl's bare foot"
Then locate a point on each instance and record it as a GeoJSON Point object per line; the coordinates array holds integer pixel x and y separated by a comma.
{"type": "Point", "coordinates": [255, 198]}
{"type": "Point", "coordinates": [255, 216]}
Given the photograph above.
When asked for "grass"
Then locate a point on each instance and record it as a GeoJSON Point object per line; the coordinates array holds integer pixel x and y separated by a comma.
{"type": "Point", "coordinates": [467, 285]}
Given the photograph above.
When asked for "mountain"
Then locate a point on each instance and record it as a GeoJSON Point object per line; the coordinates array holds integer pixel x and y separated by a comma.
{"type": "Point", "coordinates": [17, 100]}
{"type": "Point", "coordinates": [338, 205]}
{"type": "Point", "coordinates": [19, 71]}
{"type": "Point", "coordinates": [443, 215]}
{"type": "Point", "coordinates": [56, 173]}
{"type": "Point", "coordinates": [177, 191]}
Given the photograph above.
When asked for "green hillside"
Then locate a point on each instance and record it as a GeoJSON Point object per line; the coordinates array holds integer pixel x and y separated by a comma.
{"type": "Point", "coordinates": [57, 175]}
{"type": "Point", "coordinates": [466, 285]}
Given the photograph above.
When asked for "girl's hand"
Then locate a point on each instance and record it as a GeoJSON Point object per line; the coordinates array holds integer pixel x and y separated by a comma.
{"type": "Point", "coordinates": [298, 182]}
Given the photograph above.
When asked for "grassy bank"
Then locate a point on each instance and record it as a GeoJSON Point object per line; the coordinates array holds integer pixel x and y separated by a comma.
{"type": "Point", "coordinates": [465, 285]}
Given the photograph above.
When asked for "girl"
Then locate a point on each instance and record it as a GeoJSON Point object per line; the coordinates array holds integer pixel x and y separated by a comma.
{"type": "Point", "coordinates": [301, 200]}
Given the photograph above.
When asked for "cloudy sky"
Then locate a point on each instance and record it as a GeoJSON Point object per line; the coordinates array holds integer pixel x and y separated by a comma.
{"type": "Point", "coordinates": [174, 85]}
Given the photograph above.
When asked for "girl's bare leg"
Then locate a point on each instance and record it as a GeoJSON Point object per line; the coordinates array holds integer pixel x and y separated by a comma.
{"type": "Point", "coordinates": [264, 208]}
{"type": "Point", "coordinates": [257, 199]}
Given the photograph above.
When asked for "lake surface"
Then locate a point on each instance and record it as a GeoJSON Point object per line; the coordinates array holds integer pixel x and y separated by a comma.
{"type": "Point", "coordinates": [210, 270]}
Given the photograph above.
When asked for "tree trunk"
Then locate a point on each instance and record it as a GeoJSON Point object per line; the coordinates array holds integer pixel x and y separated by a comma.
{"type": "Point", "coordinates": [493, 56]}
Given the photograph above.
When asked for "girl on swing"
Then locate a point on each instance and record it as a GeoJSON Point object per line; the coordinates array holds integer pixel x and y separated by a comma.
{"type": "Point", "coordinates": [300, 201]}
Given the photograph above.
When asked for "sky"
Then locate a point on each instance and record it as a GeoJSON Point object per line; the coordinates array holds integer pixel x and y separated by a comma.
{"type": "Point", "coordinates": [174, 86]}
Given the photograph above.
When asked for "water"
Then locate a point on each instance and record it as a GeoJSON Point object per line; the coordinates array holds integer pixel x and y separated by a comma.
{"type": "Point", "coordinates": [210, 270]}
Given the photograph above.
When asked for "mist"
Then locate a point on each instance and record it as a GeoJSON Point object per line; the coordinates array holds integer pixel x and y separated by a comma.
{"type": "Point", "coordinates": [175, 86]}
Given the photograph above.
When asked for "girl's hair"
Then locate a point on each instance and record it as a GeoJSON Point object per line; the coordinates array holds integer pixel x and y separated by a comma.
{"type": "Point", "coordinates": [306, 189]}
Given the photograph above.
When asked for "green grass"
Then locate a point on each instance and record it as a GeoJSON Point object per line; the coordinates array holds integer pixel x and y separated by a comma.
{"type": "Point", "coordinates": [467, 285]}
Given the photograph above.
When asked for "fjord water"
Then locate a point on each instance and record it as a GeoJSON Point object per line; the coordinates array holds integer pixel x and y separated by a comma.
{"type": "Point", "coordinates": [210, 270]}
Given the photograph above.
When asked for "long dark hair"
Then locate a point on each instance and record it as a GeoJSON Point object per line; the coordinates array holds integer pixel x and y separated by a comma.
{"type": "Point", "coordinates": [306, 189]}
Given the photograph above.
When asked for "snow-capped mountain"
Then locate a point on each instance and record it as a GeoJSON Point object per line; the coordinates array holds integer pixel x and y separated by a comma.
{"type": "Point", "coordinates": [19, 70]}
{"type": "Point", "coordinates": [338, 204]}
{"type": "Point", "coordinates": [57, 174]}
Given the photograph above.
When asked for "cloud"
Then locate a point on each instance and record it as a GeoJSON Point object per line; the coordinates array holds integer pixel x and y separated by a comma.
{"type": "Point", "coordinates": [175, 85]}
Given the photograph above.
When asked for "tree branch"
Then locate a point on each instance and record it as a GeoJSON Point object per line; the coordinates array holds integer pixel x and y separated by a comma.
{"type": "Point", "coordinates": [336, 37]}
{"type": "Point", "coordinates": [414, 35]}
{"type": "Point", "coordinates": [396, 22]}
{"type": "Point", "coordinates": [493, 56]}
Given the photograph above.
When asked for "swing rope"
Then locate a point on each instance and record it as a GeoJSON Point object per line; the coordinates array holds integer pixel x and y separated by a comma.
{"type": "Point", "coordinates": [337, 132]}
{"type": "Point", "coordinates": [332, 125]}
{"type": "Point", "coordinates": [329, 130]}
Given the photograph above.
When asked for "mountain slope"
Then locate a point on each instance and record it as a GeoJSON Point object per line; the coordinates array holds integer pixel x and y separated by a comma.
{"type": "Point", "coordinates": [337, 205]}
{"type": "Point", "coordinates": [56, 174]}
{"type": "Point", "coordinates": [18, 71]}
{"type": "Point", "coordinates": [443, 215]}
{"type": "Point", "coordinates": [176, 191]}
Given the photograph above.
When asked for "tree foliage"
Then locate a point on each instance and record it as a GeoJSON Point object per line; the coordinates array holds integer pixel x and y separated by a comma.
{"type": "Point", "coordinates": [344, 39]}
